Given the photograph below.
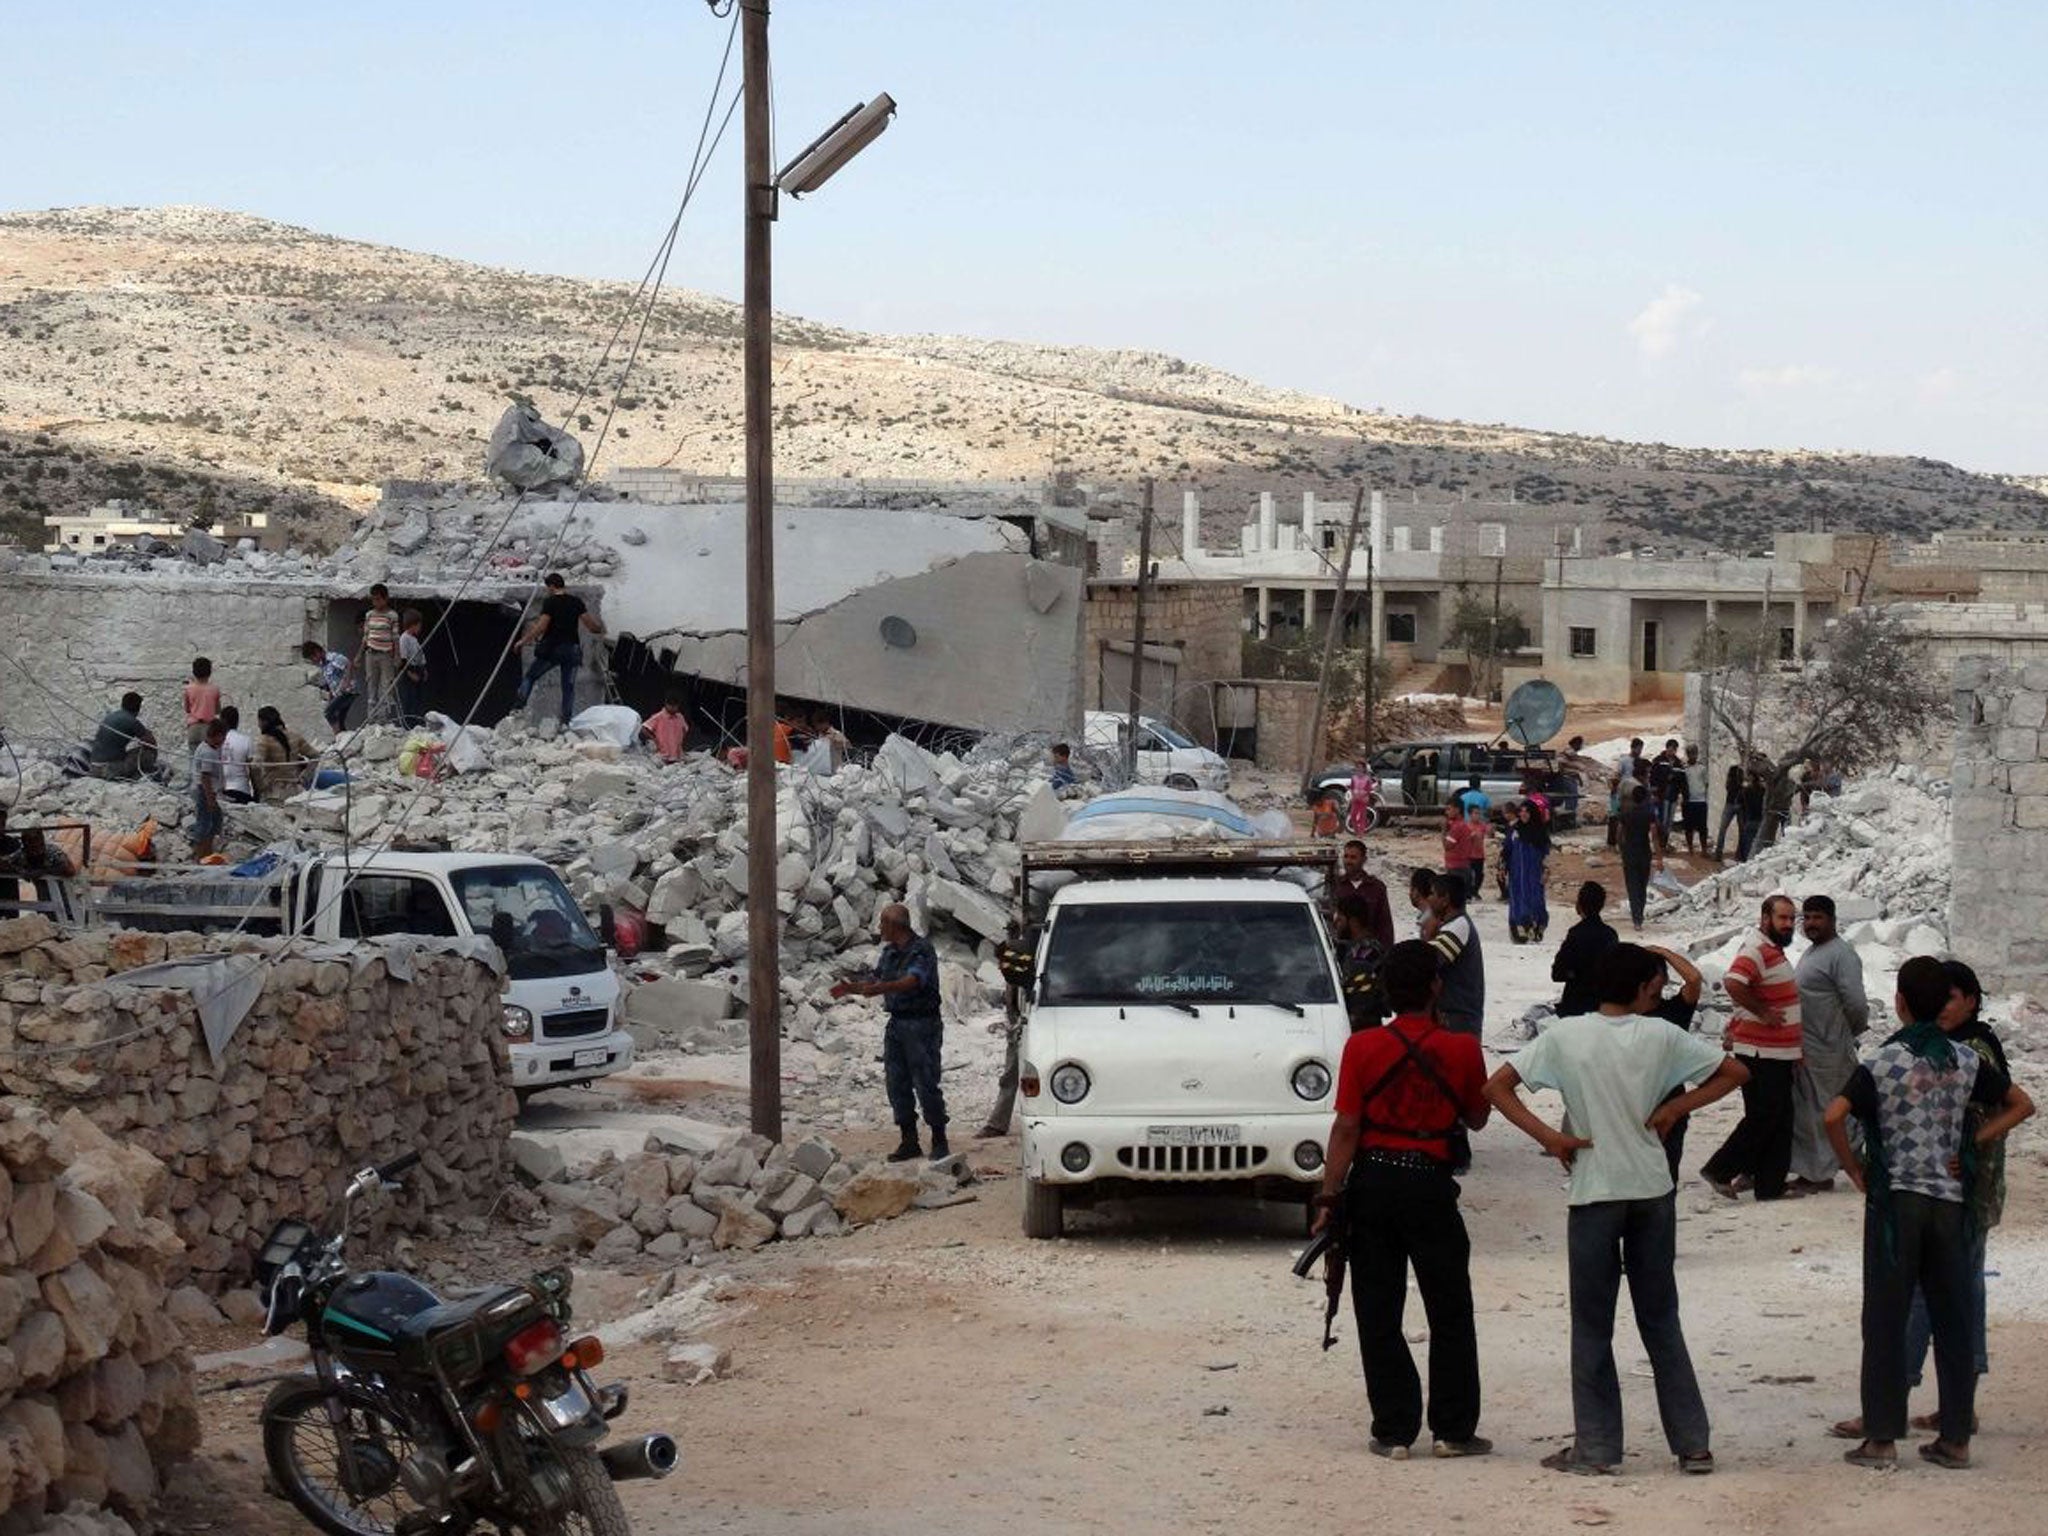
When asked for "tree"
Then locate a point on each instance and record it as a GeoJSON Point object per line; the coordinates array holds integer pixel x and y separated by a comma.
{"type": "Point", "coordinates": [1485, 632]}
{"type": "Point", "coordinates": [1867, 687]}
{"type": "Point", "coordinates": [206, 514]}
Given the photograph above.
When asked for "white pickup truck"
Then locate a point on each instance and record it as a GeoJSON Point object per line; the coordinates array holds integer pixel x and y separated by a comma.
{"type": "Point", "coordinates": [561, 1018]}
{"type": "Point", "coordinates": [1184, 1023]}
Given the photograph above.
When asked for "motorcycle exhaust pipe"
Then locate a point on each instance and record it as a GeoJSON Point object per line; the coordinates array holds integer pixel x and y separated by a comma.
{"type": "Point", "coordinates": [651, 1456]}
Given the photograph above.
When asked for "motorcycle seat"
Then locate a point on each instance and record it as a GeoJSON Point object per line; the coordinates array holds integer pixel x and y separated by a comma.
{"type": "Point", "coordinates": [453, 1314]}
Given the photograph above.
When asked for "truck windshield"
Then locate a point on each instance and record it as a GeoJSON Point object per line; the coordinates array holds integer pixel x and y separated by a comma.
{"type": "Point", "coordinates": [526, 911]}
{"type": "Point", "coordinates": [1187, 952]}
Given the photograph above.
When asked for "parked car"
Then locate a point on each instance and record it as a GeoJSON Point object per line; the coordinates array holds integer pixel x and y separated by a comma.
{"type": "Point", "coordinates": [1163, 751]}
{"type": "Point", "coordinates": [1421, 776]}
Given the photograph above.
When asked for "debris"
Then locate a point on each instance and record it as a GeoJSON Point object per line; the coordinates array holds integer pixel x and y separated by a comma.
{"type": "Point", "coordinates": [528, 454]}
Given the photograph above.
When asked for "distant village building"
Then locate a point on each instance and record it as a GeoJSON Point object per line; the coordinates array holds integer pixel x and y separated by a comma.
{"type": "Point", "coordinates": [122, 524]}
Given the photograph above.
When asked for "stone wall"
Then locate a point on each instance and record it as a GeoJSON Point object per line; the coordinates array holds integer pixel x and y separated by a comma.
{"type": "Point", "coordinates": [1205, 619]}
{"type": "Point", "coordinates": [87, 639]}
{"type": "Point", "coordinates": [1285, 711]}
{"type": "Point", "coordinates": [95, 1389]}
{"type": "Point", "coordinates": [2001, 823]}
{"type": "Point", "coordinates": [338, 1064]}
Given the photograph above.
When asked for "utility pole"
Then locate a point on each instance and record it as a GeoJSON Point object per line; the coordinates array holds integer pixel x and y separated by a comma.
{"type": "Point", "coordinates": [1493, 629]}
{"type": "Point", "coordinates": [1138, 633]}
{"type": "Point", "coordinates": [764, 960]}
{"type": "Point", "coordinates": [1372, 641]}
{"type": "Point", "coordinates": [1315, 728]}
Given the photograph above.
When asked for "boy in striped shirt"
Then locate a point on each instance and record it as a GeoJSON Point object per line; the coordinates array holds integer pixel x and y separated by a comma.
{"type": "Point", "coordinates": [1765, 1036]}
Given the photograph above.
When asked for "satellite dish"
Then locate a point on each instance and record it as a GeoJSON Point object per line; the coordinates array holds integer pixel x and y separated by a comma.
{"type": "Point", "coordinates": [1535, 712]}
{"type": "Point", "coordinates": [898, 632]}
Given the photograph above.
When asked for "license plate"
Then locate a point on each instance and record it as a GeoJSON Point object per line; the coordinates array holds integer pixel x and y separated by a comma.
{"type": "Point", "coordinates": [589, 1058]}
{"type": "Point", "coordinates": [1193, 1135]}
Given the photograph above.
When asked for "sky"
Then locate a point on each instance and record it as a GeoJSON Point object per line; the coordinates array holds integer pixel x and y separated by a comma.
{"type": "Point", "coordinates": [1797, 224]}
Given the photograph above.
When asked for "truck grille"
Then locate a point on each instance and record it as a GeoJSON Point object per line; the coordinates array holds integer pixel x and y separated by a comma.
{"type": "Point", "coordinates": [1190, 1162]}
{"type": "Point", "coordinates": [583, 1021]}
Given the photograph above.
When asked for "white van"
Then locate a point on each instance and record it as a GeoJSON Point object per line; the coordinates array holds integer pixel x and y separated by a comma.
{"type": "Point", "coordinates": [561, 1018]}
{"type": "Point", "coordinates": [1182, 1028]}
{"type": "Point", "coordinates": [1162, 750]}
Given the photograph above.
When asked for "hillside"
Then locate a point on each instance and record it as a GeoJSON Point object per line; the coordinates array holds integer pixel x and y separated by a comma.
{"type": "Point", "coordinates": [175, 349]}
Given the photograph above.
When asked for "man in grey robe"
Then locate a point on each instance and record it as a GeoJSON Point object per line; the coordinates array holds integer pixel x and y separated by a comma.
{"type": "Point", "coordinates": [1833, 1011]}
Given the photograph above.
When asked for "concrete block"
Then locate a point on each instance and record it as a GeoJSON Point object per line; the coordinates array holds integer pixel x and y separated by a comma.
{"type": "Point", "coordinates": [2017, 746]}
{"type": "Point", "coordinates": [2027, 709]}
{"type": "Point", "coordinates": [2031, 812]}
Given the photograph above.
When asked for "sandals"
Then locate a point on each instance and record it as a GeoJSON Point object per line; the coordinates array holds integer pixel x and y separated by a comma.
{"type": "Point", "coordinates": [1696, 1463]}
{"type": "Point", "coordinates": [1867, 1455]}
{"type": "Point", "coordinates": [1847, 1429]}
{"type": "Point", "coordinates": [1954, 1457]}
{"type": "Point", "coordinates": [1567, 1460]}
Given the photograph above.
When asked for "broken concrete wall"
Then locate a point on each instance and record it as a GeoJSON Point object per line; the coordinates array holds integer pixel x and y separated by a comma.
{"type": "Point", "coordinates": [89, 638]}
{"type": "Point", "coordinates": [337, 1065]}
{"type": "Point", "coordinates": [2000, 826]}
{"type": "Point", "coordinates": [96, 1394]}
{"type": "Point", "coordinates": [986, 654]}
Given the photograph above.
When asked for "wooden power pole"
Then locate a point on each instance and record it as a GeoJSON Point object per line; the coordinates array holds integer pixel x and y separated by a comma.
{"type": "Point", "coordinates": [1315, 726]}
{"type": "Point", "coordinates": [764, 961]}
{"type": "Point", "coordinates": [1138, 633]}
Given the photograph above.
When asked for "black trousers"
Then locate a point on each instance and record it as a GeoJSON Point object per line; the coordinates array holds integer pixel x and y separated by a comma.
{"type": "Point", "coordinates": [910, 1071]}
{"type": "Point", "coordinates": [1927, 1247]}
{"type": "Point", "coordinates": [1635, 874]}
{"type": "Point", "coordinates": [1761, 1144]}
{"type": "Point", "coordinates": [1401, 1216]}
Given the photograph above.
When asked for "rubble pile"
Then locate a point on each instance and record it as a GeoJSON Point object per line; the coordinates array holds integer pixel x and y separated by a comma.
{"type": "Point", "coordinates": [339, 1060]}
{"type": "Point", "coordinates": [676, 1204]}
{"type": "Point", "coordinates": [1880, 849]}
{"type": "Point", "coordinates": [932, 831]}
{"type": "Point", "coordinates": [96, 1394]}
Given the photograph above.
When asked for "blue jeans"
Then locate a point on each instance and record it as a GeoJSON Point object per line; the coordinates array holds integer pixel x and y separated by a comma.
{"type": "Point", "coordinates": [910, 1067]}
{"type": "Point", "coordinates": [568, 658]}
{"type": "Point", "coordinates": [1920, 1327]}
{"type": "Point", "coordinates": [206, 819]}
{"type": "Point", "coordinates": [1604, 1240]}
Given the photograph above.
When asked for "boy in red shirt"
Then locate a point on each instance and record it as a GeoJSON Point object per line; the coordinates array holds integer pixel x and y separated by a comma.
{"type": "Point", "coordinates": [667, 729]}
{"type": "Point", "coordinates": [1402, 1093]}
{"type": "Point", "coordinates": [202, 701]}
{"type": "Point", "coordinates": [1464, 849]}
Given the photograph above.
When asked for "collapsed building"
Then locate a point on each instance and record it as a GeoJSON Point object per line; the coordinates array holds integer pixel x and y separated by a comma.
{"type": "Point", "coordinates": [960, 616]}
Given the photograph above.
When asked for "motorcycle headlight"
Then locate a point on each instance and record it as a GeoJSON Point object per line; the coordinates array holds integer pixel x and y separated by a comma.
{"type": "Point", "coordinates": [517, 1023]}
{"type": "Point", "coordinates": [1069, 1083]}
{"type": "Point", "coordinates": [1311, 1080]}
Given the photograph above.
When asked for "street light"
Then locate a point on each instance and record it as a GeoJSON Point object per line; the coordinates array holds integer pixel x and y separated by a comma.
{"type": "Point", "coordinates": [809, 171]}
{"type": "Point", "coordinates": [838, 144]}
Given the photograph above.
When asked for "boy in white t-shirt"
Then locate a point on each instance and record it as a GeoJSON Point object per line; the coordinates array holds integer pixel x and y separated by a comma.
{"type": "Point", "coordinates": [1616, 1069]}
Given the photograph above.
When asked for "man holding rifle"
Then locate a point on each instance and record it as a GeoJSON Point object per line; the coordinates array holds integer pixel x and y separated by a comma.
{"type": "Point", "coordinates": [1402, 1093]}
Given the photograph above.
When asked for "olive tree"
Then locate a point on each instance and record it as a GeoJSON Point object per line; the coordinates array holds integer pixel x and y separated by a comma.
{"type": "Point", "coordinates": [1864, 690]}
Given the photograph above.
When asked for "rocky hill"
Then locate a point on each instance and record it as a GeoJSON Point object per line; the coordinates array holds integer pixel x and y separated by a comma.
{"type": "Point", "coordinates": [197, 357]}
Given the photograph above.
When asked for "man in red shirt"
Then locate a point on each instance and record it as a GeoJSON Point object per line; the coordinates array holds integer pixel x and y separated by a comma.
{"type": "Point", "coordinates": [1765, 1035]}
{"type": "Point", "coordinates": [1402, 1092]}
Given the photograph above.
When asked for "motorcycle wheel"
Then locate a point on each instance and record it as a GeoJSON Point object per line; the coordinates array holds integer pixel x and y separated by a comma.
{"type": "Point", "coordinates": [597, 1510]}
{"type": "Point", "coordinates": [304, 1455]}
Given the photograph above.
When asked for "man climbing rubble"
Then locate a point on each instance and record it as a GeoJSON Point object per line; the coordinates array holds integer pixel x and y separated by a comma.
{"type": "Point", "coordinates": [906, 978]}
{"type": "Point", "coordinates": [557, 640]}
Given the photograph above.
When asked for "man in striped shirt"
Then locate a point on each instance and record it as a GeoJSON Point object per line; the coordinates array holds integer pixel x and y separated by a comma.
{"type": "Point", "coordinates": [1765, 1033]}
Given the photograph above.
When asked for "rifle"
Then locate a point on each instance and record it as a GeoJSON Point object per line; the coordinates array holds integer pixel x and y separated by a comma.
{"type": "Point", "coordinates": [1330, 1245]}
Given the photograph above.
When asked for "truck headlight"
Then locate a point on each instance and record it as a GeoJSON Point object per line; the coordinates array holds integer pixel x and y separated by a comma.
{"type": "Point", "coordinates": [517, 1023]}
{"type": "Point", "coordinates": [1311, 1080]}
{"type": "Point", "coordinates": [1069, 1083]}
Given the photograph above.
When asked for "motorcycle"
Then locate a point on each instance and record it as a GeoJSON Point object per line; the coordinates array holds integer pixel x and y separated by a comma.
{"type": "Point", "coordinates": [429, 1418]}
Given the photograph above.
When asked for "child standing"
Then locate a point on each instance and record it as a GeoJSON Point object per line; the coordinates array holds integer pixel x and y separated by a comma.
{"type": "Point", "coordinates": [412, 670]}
{"type": "Point", "coordinates": [1913, 1099]}
{"type": "Point", "coordinates": [202, 702]}
{"type": "Point", "coordinates": [668, 729]}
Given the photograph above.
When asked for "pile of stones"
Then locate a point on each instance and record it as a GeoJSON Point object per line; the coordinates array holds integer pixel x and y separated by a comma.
{"type": "Point", "coordinates": [95, 1390]}
{"type": "Point", "coordinates": [674, 1205]}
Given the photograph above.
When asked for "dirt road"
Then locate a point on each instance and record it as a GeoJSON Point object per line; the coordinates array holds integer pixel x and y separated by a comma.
{"type": "Point", "coordinates": [1157, 1371]}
